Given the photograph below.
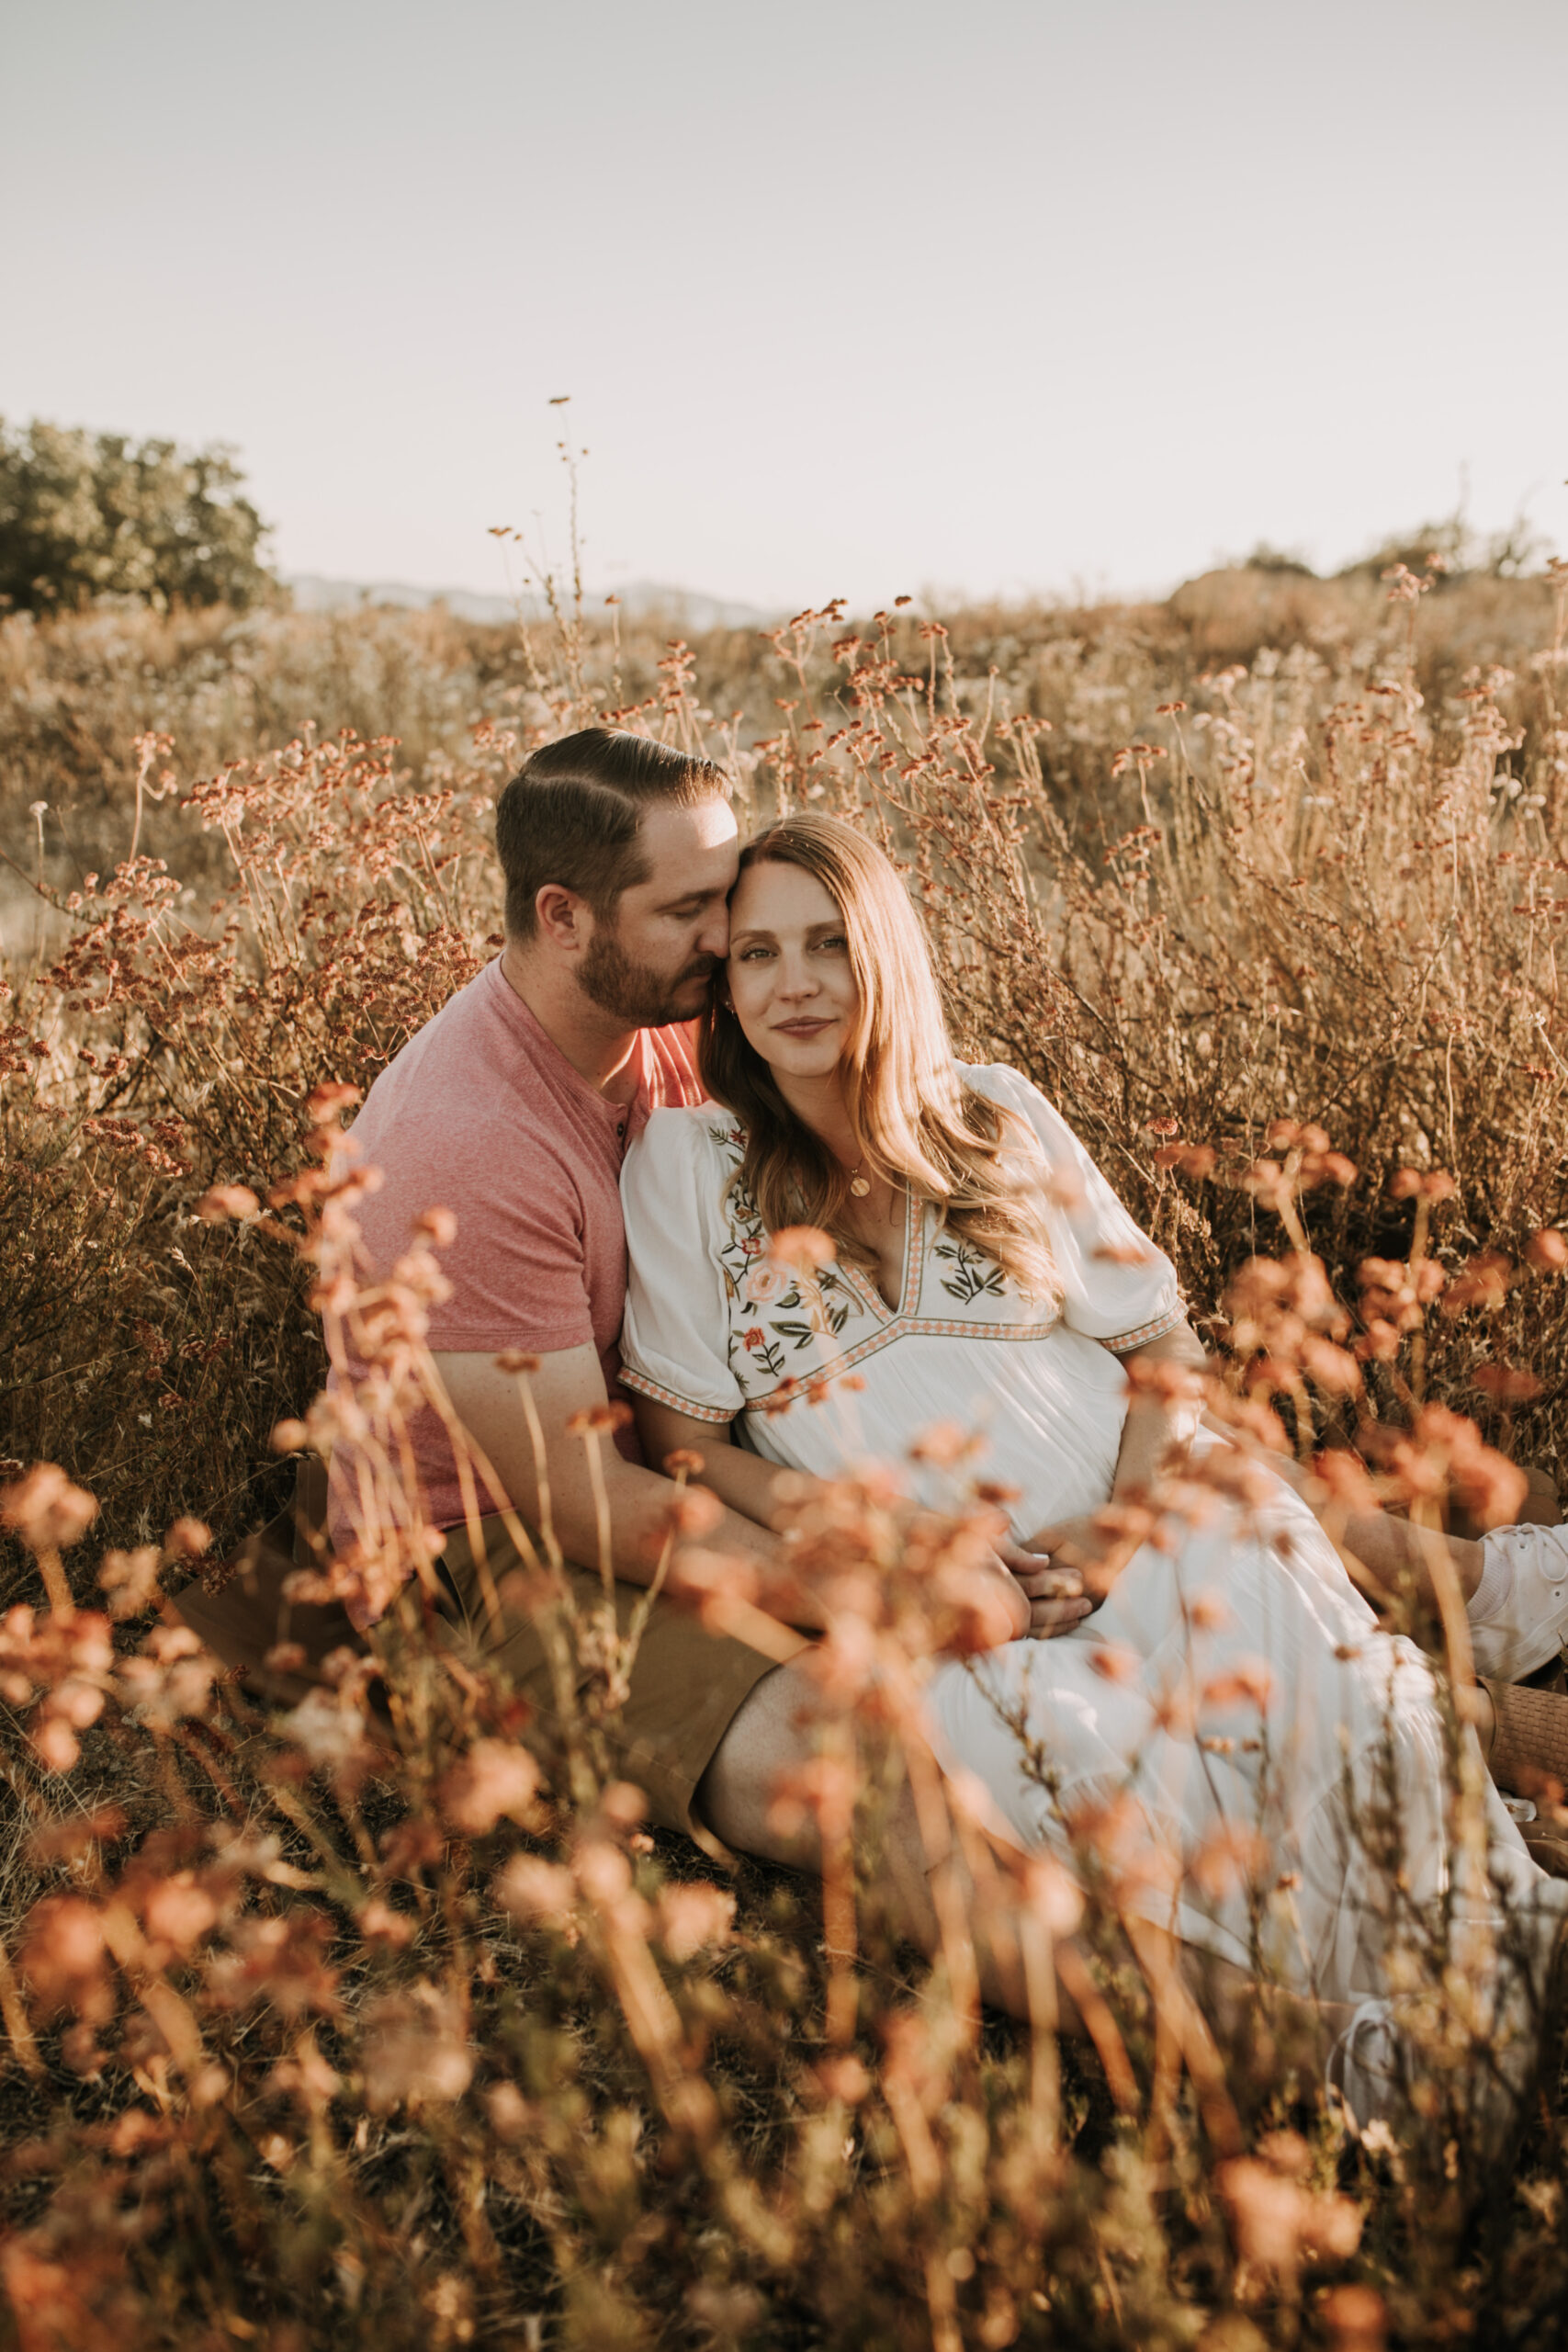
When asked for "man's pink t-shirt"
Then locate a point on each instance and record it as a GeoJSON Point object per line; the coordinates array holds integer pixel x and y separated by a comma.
{"type": "Point", "coordinates": [482, 1114]}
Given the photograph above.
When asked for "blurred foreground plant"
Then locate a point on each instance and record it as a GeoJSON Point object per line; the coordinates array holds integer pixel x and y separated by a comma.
{"type": "Point", "coordinates": [367, 2019]}
{"type": "Point", "coordinates": [362, 2020]}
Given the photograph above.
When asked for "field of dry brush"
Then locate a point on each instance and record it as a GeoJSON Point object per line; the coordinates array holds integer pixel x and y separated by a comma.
{"type": "Point", "coordinates": [336, 2026]}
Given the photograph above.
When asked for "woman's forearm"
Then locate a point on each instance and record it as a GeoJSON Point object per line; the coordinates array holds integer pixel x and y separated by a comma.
{"type": "Point", "coordinates": [1160, 1425]}
{"type": "Point", "coordinates": [1152, 1438]}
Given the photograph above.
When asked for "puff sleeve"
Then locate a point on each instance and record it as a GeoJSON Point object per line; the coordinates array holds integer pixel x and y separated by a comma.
{"type": "Point", "coordinates": [675, 1338]}
{"type": "Point", "coordinates": [1117, 1287]}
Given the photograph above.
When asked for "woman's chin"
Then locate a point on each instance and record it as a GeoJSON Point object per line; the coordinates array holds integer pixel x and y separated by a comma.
{"type": "Point", "coordinates": [806, 1063]}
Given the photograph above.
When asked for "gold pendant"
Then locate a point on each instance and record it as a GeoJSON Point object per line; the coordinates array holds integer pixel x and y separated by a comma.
{"type": "Point", "coordinates": [860, 1187]}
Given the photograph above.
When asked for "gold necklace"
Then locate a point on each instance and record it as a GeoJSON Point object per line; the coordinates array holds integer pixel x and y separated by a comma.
{"type": "Point", "coordinates": [859, 1185]}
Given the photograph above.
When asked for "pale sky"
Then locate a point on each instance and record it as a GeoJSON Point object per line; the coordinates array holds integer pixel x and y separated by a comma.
{"type": "Point", "coordinates": [850, 298]}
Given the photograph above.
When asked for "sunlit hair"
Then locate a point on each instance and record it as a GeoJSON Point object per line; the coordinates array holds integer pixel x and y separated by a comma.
{"type": "Point", "coordinates": [573, 814]}
{"type": "Point", "coordinates": [915, 1123]}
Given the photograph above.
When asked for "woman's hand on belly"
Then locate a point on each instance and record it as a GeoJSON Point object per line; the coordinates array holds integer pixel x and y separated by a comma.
{"type": "Point", "coordinates": [1092, 1550]}
{"type": "Point", "coordinates": [1056, 1595]}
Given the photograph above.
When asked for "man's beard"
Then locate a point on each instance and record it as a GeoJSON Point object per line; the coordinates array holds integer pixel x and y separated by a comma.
{"type": "Point", "coordinates": [636, 993]}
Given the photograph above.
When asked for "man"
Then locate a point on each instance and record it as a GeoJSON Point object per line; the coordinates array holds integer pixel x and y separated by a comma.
{"type": "Point", "coordinates": [514, 1108]}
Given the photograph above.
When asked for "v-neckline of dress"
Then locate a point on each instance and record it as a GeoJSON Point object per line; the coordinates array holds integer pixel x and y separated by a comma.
{"type": "Point", "coordinates": [914, 1254]}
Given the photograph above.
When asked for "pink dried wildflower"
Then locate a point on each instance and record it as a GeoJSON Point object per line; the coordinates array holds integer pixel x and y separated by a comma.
{"type": "Point", "coordinates": [692, 1916]}
{"type": "Point", "coordinates": [46, 1509]}
{"type": "Point", "coordinates": [497, 1778]}
{"type": "Point", "coordinates": [415, 2050]}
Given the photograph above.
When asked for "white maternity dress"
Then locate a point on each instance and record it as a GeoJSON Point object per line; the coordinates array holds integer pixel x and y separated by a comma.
{"type": "Point", "coordinates": [1242, 1797]}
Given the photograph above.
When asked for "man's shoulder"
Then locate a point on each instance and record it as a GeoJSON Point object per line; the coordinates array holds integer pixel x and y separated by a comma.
{"type": "Point", "coordinates": [466, 1084]}
{"type": "Point", "coordinates": [452, 1031]}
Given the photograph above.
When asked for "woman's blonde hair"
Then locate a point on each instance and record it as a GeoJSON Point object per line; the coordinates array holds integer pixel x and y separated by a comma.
{"type": "Point", "coordinates": [915, 1123]}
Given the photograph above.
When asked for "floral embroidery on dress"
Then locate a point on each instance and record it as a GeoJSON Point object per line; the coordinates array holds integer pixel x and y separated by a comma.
{"type": "Point", "coordinates": [776, 1320]}
{"type": "Point", "coordinates": [788, 1340]}
{"type": "Point", "coordinates": [974, 1275]}
{"type": "Point", "coordinates": [805, 1314]}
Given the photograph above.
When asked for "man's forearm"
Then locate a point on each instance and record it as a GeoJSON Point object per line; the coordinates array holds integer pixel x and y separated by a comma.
{"type": "Point", "coordinates": [638, 1515]}
{"type": "Point", "coordinates": [760, 1491]}
{"type": "Point", "coordinates": [639, 1504]}
{"type": "Point", "coordinates": [559, 1413]}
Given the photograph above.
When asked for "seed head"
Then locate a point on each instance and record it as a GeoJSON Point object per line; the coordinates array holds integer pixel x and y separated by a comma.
{"type": "Point", "coordinates": [600, 1419]}
{"type": "Point", "coordinates": [226, 1202]}
{"type": "Point", "coordinates": [804, 1249]}
{"type": "Point", "coordinates": [45, 1510]}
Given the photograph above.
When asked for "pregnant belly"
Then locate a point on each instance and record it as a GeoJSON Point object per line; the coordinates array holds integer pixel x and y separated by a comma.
{"type": "Point", "coordinates": [1049, 1413]}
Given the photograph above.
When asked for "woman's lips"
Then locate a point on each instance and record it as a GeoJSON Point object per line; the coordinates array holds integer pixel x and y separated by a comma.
{"type": "Point", "coordinates": [799, 1028]}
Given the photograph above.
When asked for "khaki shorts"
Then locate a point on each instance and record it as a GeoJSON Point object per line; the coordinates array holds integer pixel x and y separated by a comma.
{"type": "Point", "coordinates": [247, 1614]}
{"type": "Point", "coordinates": [687, 1685]}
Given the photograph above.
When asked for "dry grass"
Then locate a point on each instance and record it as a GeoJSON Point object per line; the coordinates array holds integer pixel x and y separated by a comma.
{"type": "Point", "coordinates": [293, 2059]}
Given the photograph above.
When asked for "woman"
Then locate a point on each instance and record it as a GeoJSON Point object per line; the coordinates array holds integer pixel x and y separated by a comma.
{"type": "Point", "coordinates": [988, 1275]}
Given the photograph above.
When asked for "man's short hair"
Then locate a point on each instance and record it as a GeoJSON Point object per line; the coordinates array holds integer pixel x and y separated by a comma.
{"type": "Point", "coordinates": [572, 815]}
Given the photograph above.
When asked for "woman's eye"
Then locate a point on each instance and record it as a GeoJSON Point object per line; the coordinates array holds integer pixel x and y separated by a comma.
{"type": "Point", "coordinates": [836, 943]}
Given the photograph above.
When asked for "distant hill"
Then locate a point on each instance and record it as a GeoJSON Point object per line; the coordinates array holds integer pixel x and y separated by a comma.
{"type": "Point", "coordinates": [685, 608]}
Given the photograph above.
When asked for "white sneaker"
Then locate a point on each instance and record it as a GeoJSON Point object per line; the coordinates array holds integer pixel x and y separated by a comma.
{"type": "Point", "coordinates": [1369, 2066]}
{"type": "Point", "coordinates": [1374, 2065]}
{"type": "Point", "coordinates": [1533, 1626]}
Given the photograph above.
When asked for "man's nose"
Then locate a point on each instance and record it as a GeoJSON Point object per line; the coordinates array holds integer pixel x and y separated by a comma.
{"type": "Point", "coordinates": [713, 937]}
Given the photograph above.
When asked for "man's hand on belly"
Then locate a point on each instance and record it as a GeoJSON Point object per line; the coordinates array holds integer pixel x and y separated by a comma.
{"type": "Point", "coordinates": [1009, 1620]}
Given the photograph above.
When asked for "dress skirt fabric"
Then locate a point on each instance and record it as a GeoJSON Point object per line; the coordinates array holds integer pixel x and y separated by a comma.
{"type": "Point", "coordinates": [1262, 1770]}
{"type": "Point", "coordinates": [1269, 1773]}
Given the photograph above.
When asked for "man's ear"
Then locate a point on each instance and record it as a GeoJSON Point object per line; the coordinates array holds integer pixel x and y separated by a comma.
{"type": "Point", "coordinates": [563, 918]}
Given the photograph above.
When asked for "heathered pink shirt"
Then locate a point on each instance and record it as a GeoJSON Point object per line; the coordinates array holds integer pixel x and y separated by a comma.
{"type": "Point", "coordinates": [482, 1114]}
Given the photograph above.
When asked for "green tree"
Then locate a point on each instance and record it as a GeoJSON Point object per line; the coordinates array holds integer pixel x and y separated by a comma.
{"type": "Point", "coordinates": [88, 514]}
